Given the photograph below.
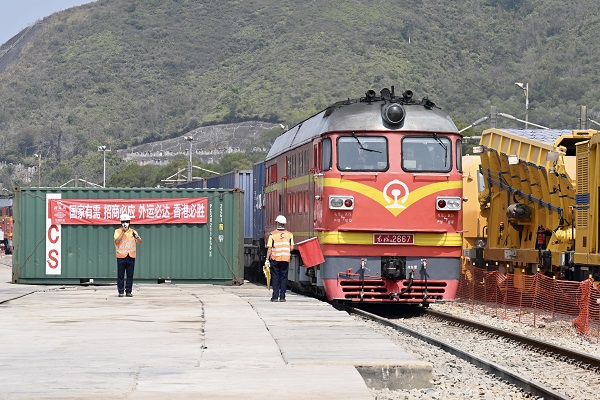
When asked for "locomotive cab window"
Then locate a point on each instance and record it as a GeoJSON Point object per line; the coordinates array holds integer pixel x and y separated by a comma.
{"type": "Point", "coordinates": [326, 154]}
{"type": "Point", "coordinates": [426, 154]}
{"type": "Point", "coordinates": [362, 153]}
{"type": "Point", "coordinates": [459, 155]}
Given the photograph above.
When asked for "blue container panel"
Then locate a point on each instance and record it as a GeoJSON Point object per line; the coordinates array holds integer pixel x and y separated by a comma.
{"type": "Point", "coordinates": [245, 181]}
{"type": "Point", "coordinates": [214, 182]}
{"type": "Point", "coordinates": [192, 185]}
{"type": "Point", "coordinates": [258, 211]}
{"type": "Point", "coordinates": [238, 179]}
{"type": "Point", "coordinates": [229, 180]}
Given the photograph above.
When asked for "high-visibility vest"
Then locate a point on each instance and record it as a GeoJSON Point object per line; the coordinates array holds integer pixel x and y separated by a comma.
{"type": "Point", "coordinates": [126, 246]}
{"type": "Point", "coordinates": [281, 245]}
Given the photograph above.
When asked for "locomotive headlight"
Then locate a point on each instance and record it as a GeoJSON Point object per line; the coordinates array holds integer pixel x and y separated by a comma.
{"type": "Point", "coordinates": [341, 202]}
{"type": "Point", "coordinates": [336, 202]}
{"type": "Point", "coordinates": [447, 203]}
{"type": "Point", "coordinates": [393, 113]}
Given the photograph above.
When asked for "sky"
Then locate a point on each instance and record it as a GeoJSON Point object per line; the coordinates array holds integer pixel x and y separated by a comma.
{"type": "Point", "coordinates": [16, 15]}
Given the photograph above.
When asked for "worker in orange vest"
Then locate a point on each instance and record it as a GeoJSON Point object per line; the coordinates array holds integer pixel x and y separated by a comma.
{"type": "Point", "coordinates": [279, 251]}
{"type": "Point", "coordinates": [126, 239]}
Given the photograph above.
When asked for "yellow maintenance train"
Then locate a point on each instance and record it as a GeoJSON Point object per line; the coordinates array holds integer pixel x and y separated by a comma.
{"type": "Point", "coordinates": [533, 203]}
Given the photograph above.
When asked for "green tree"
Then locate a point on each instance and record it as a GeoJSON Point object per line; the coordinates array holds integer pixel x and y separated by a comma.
{"type": "Point", "coordinates": [235, 161]}
{"type": "Point", "coordinates": [134, 175]}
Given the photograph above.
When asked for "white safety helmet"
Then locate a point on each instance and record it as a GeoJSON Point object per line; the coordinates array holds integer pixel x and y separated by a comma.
{"type": "Point", "coordinates": [125, 217]}
{"type": "Point", "coordinates": [281, 220]}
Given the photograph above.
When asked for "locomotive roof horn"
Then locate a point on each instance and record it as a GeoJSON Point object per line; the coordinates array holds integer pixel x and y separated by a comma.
{"type": "Point", "coordinates": [386, 94]}
{"type": "Point", "coordinates": [428, 104]}
{"type": "Point", "coordinates": [370, 95]}
{"type": "Point", "coordinates": [389, 99]}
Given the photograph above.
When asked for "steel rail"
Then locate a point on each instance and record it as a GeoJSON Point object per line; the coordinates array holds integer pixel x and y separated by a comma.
{"type": "Point", "coordinates": [538, 344]}
{"type": "Point", "coordinates": [511, 377]}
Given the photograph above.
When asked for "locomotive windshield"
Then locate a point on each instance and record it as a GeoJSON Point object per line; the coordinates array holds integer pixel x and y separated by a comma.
{"type": "Point", "coordinates": [426, 154]}
{"type": "Point", "coordinates": [362, 153]}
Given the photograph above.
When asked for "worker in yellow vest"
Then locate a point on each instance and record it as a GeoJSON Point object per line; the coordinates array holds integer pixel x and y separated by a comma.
{"type": "Point", "coordinates": [126, 239]}
{"type": "Point", "coordinates": [279, 251]}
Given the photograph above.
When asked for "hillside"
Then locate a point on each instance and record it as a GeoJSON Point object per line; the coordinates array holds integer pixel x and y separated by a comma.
{"type": "Point", "coordinates": [208, 143]}
{"type": "Point", "coordinates": [123, 72]}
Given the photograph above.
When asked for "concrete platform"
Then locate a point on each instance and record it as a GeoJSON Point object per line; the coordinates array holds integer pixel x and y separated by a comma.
{"type": "Point", "coordinates": [189, 342]}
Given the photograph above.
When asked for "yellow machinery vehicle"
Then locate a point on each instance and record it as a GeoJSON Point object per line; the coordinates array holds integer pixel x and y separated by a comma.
{"type": "Point", "coordinates": [538, 191]}
{"type": "Point", "coordinates": [474, 221]}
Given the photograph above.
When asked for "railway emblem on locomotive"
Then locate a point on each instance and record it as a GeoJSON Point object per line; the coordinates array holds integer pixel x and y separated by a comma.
{"type": "Point", "coordinates": [398, 191]}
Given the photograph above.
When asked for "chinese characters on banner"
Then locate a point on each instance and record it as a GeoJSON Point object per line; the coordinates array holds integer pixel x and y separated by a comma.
{"type": "Point", "coordinates": [141, 211]}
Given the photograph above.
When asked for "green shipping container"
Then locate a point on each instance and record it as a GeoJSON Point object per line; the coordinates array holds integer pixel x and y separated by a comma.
{"type": "Point", "coordinates": [47, 252]}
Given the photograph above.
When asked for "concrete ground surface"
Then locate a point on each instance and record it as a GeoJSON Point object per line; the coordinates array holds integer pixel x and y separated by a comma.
{"type": "Point", "coordinates": [189, 342]}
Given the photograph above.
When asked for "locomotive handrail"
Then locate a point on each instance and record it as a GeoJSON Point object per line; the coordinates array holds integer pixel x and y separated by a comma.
{"type": "Point", "coordinates": [354, 173]}
{"type": "Point", "coordinates": [430, 175]}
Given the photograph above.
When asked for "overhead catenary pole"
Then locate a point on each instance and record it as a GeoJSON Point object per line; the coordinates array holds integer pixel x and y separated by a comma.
{"type": "Point", "coordinates": [103, 150]}
{"type": "Point", "coordinates": [189, 139]}
{"type": "Point", "coordinates": [525, 87]}
{"type": "Point", "coordinates": [494, 114]}
{"type": "Point", "coordinates": [39, 157]}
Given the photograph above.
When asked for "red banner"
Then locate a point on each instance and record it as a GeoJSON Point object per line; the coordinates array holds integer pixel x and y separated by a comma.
{"type": "Point", "coordinates": [141, 211]}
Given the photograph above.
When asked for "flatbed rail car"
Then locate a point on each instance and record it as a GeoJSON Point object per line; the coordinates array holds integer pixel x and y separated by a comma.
{"type": "Point", "coordinates": [539, 192]}
{"type": "Point", "coordinates": [378, 180]}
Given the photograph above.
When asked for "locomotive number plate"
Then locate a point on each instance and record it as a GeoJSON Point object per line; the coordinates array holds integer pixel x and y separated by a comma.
{"type": "Point", "coordinates": [393, 238]}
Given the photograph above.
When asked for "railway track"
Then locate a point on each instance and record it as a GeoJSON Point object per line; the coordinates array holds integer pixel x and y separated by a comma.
{"type": "Point", "coordinates": [538, 345]}
{"type": "Point", "coordinates": [536, 367]}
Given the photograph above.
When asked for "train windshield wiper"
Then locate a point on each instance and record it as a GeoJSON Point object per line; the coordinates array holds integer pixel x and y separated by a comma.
{"type": "Point", "coordinates": [363, 147]}
{"type": "Point", "coordinates": [437, 139]}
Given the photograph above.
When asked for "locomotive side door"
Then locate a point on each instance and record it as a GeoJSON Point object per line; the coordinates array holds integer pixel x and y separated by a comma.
{"type": "Point", "coordinates": [321, 163]}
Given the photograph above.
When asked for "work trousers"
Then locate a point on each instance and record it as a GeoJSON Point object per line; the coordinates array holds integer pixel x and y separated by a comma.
{"type": "Point", "coordinates": [126, 264]}
{"type": "Point", "coordinates": [279, 278]}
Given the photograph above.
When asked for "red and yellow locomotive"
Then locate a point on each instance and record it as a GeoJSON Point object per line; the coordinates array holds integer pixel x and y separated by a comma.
{"type": "Point", "coordinates": [378, 180]}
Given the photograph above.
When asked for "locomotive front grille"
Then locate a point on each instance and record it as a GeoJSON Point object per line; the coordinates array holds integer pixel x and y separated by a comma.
{"type": "Point", "coordinates": [355, 283]}
{"type": "Point", "coordinates": [377, 290]}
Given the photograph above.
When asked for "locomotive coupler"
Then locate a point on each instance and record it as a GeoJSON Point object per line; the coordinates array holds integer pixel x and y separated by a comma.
{"type": "Point", "coordinates": [363, 267]}
{"type": "Point", "coordinates": [396, 295]}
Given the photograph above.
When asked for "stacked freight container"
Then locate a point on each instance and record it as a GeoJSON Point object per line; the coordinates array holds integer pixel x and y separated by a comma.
{"type": "Point", "coordinates": [237, 180]}
{"type": "Point", "coordinates": [249, 183]}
